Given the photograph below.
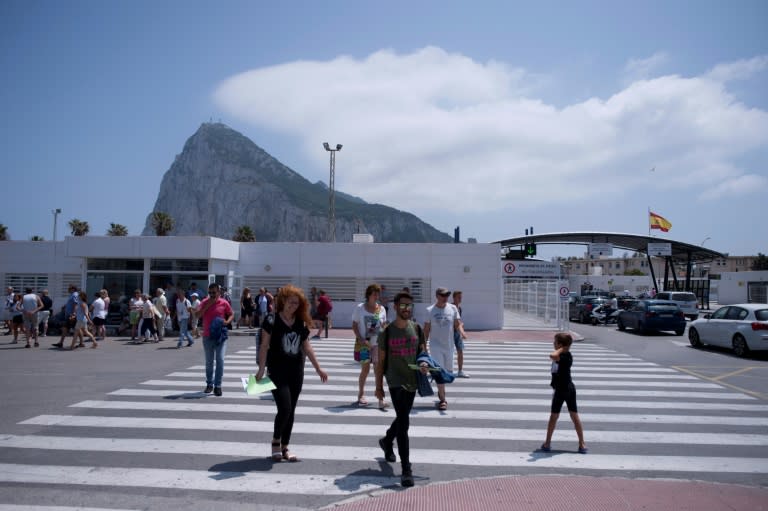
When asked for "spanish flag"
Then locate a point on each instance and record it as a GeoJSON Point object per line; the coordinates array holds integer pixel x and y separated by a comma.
{"type": "Point", "coordinates": [659, 222]}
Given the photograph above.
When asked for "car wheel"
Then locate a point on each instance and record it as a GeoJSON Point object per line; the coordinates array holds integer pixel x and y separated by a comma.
{"type": "Point", "coordinates": [693, 338]}
{"type": "Point", "coordinates": [594, 320]}
{"type": "Point", "coordinates": [582, 318]}
{"type": "Point", "coordinates": [641, 329]}
{"type": "Point", "coordinates": [621, 324]}
{"type": "Point", "coordinates": [740, 347]}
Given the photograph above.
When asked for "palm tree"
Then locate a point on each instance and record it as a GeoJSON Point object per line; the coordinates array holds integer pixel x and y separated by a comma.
{"type": "Point", "coordinates": [244, 233]}
{"type": "Point", "coordinates": [117, 230]}
{"type": "Point", "coordinates": [4, 233]}
{"type": "Point", "coordinates": [79, 227]}
{"type": "Point", "coordinates": [36, 238]}
{"type": "Point", "coordinates": [162, 223]}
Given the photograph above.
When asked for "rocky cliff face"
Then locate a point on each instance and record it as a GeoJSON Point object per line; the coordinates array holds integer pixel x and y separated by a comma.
{"type": "Point", "coordinates": [222, 180]}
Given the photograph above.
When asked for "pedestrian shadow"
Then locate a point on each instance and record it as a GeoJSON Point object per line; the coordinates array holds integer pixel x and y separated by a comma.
{"type": "Point", "coordinates": [239, 468]}
{"type": "Point", "coordinates": [384, 477]}
{"type": "Point", "coordinates": [188, 395]}
{"type": "Point", "coordinates": [538, 454]}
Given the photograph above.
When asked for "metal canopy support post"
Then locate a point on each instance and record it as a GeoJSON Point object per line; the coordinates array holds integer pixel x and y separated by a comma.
{"type": "Point", "coordinates": [653, 273]}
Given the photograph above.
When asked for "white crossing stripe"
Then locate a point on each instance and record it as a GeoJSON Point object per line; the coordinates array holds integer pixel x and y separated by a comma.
{"type": "Point", "coordinates": [425, 456]}
{"type": "Point", "coordinates": [341, 375]}
{"type": "Point", "coordinates": [477, 400]}
{"type": "Point", "coordinates": [27, 507]}
{"type": "Point", "coordinates": [495, 415]}
{"type": "Point", "coordinates": [530, 384]}
{"type": "Point", "coordinates": [181, 479]}
{"type": "Point", "coordinates": [364, 430]}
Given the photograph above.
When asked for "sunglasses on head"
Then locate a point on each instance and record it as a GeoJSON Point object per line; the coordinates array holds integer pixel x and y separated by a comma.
{"type": "Point", "coordinates": [404, 306]}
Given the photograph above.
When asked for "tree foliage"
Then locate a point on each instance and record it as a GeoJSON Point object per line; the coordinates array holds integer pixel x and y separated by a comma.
{"type": "Point", "coordinates": [244, 233]}
{"type": "Point", "coordinates": [36, 238]}
{"type": "Point", "coordinates": [760, 262]}
{"type": "Point", "coordinates": [117, 230]}
{"type": "Point", "coordinates": [162, 223]}
{"type": "Point", "coordinates": [79, 227]}
{"type": "Point", "coordinates": [4, 233]}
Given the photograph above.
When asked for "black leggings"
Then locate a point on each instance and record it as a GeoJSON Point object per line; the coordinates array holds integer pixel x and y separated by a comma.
{"type": "Point", "coordinates": [402, 401]}
{"type": "Point", "coordinates": [286, 398]}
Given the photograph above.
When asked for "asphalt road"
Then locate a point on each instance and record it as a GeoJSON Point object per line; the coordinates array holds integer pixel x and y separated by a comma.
{"type": "Point", "coordinates": [126, 426]}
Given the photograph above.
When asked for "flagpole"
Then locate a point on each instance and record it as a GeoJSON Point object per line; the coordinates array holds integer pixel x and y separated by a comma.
{"type": "Point", "coordinates": [648, 219]}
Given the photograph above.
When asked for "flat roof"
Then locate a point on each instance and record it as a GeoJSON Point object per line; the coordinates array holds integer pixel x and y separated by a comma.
{"type": "Point", "coordinates": [681, 251]}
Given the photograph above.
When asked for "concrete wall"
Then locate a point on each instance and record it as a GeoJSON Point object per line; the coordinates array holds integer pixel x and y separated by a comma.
{"type": "Point", "coordinates": [472, 268]}
{"type": "Point", "coordinates": [732, 287]}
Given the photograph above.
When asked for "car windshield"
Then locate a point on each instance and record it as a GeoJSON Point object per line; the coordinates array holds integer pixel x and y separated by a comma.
{"type": "Point", "coordinates": [761, 315]}
{"type": "Point", "coordinates": [683, 297]}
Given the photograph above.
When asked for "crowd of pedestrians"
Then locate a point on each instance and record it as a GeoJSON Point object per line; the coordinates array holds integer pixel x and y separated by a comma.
{"type": "Point", "coordinates": [401, 351]}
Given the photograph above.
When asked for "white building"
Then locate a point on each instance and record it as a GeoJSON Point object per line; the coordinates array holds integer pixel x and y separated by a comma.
{"type": "Point", "coordinates": [343, 270]}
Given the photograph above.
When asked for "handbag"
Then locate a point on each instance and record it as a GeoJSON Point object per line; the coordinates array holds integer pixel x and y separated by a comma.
{"type": "Point", "coordinates": [168, 323]}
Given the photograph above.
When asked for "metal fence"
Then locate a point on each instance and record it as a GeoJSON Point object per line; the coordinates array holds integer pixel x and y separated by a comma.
{"type": "Point", "coordinates": [535, 303]}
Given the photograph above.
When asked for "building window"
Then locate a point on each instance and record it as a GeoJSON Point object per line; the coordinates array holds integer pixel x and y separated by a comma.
{"type": "Point", "coordinates": [21, 281]}
{"type": "Point", "coordinates": [116, 264]}
{"type": "Point", "coordinates": [174, 265]}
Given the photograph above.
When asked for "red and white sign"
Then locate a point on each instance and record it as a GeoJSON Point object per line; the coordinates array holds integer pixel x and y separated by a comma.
{"type": "Point", "coordinates": [509, 268]}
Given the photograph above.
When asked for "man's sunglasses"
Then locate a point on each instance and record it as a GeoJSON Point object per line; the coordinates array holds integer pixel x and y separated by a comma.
{"type": "Point", "coordinates": [404, 306]}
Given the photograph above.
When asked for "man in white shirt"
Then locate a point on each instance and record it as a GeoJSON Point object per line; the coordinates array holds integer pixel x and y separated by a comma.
{"type": "Point", "coordinates": [442, 319]}
{"type": "Point", "coordinates": [31, 304]}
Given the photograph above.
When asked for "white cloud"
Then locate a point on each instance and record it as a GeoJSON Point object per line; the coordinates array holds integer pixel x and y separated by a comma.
{"type": "Point", "coordinates": [739, 70]}
{"type": "Point", "coordinates": [737, 186]}
{"type": "Point", "coordinates": [421, 127]}
{"type": "Point", "coordinates": [641, 69]}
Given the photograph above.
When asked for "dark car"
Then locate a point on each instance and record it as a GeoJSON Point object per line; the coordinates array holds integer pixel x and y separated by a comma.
{"type": "Point", "coordinates": [580, 307]}
{"type": "Point", "coordinates": [649, 315]}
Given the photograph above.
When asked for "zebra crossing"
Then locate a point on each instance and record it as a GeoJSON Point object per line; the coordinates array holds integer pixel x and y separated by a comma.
{"type": "Point", "coordinates": [164, 435]}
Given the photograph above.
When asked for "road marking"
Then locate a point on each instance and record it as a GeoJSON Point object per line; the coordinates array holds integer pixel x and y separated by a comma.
{"type": "Point", "coordinates": [752, 393]}
{"type": "Point", "coordinates": [346, 429]}
{"type": "Point", "coordinates": [734, 373]}
{"type": "Point", "coordinates": [543, 383]}
{"type": "Point", "coordinates": [353, 375]}
{"type": "Point", "coordinates": [268, 407]}
{"type": "Point", "coordinates": [256, 482]}
{"type": "Point", "coordinates": [540, 390]}
{"type": "Point", "coordinates": [322, 484]}
{"type": "Point", "coordinates": [27, 507]}
{"type": "Point", "coordinates": [474, 400]}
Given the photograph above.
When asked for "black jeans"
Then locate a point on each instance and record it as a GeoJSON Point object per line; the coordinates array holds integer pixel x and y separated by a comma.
{"type": "Point", "coordinates": [286, 397]}
{"type": "Point", "coordinates": [402, 401]}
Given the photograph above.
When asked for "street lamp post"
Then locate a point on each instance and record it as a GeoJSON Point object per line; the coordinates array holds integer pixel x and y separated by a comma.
{"type": "Point", "coordinates": [55, 223]}
{"type": "Point", "coordinates": [332, 192]}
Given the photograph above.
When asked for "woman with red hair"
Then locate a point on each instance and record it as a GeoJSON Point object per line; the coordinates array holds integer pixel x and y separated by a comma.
{"type": "Point", "coordinates": [284, 344]}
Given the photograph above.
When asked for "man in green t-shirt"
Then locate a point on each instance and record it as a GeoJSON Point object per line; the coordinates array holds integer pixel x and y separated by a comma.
{"type": "Point", "coordinates": [399, 345]}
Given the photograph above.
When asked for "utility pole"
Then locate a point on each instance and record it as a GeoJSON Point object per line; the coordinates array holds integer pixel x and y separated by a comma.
{"type": "Point", "coordinates": [332, 192]}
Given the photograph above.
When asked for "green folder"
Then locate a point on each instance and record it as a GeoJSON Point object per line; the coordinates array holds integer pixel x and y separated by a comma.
{"type": "Point", "coordinates": [253, 387]}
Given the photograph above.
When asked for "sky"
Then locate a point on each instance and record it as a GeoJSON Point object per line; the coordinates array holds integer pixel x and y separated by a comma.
{"type": "Point", "coordinates": [494, 116]}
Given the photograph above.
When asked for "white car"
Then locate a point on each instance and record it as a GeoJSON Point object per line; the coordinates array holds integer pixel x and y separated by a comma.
{"type": "Point", "coordinates": [742, 326]}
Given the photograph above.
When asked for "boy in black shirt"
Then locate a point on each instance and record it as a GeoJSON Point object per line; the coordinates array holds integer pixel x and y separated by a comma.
{"type": "Point", "coordinates": [565, 391]}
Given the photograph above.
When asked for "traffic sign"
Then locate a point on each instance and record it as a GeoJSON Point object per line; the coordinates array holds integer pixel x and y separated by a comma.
{"type": "Point", "coordinates": [564, 291]}
{"type": "Point", "coordinates": [600, 249]}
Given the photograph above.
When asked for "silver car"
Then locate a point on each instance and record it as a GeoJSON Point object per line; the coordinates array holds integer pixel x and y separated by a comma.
{"type": "Point", "coordinates": [686, 300]}
{"type": "Point", "coordinates": [743, 327]}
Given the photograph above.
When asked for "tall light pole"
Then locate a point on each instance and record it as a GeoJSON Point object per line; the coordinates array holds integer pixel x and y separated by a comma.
{"type": "Point", "coordinates": [55, 223]}
{"type": "Point", "coordinates": [705, 240]}
{"type": "Point", "coordinates": [332, 192]}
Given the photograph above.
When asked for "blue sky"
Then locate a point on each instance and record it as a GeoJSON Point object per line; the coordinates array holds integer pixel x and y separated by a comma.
{"type": "Point", "coordinates": [493, 116]}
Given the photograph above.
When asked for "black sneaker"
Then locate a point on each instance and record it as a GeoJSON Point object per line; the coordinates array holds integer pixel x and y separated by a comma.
{"type": "Point", "coordinates": [407, 478]}
{"type": "Point", "coordinates": [208, 389]}
{"type": "Point", "coordinates": [217, 391]}
{"type": "Point", "coordinates": [389, 452]}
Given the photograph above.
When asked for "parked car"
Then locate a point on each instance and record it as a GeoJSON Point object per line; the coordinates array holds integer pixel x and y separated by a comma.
{"type": "Point", "coordinates": [580, 307]}
{"type": "Point", "coordinates": [686, 300]}
{"type": "Point", "coordinates": [648, 315]}
{"type": "Point", "coordinates": [743, 327]}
